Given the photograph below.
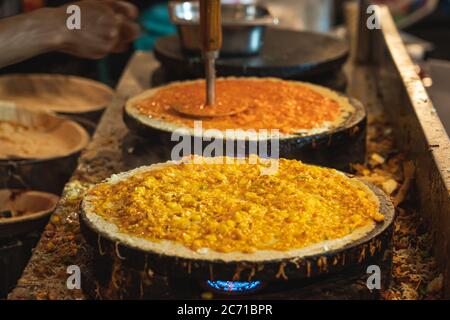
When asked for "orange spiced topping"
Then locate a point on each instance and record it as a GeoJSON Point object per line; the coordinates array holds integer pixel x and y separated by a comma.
{"type": "Point", "coordinates": [271, 104]}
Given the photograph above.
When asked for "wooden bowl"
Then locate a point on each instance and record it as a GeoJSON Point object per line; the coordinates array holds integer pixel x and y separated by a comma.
{"type": "Point", "coordinates": [24, 211]}
{"type": "Point", "coordinates": [48, 171]}
{"type": "Point", "coordinates": [68, 95]}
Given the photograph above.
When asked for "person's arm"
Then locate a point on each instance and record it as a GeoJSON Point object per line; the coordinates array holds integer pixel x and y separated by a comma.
{"type": "Point", "coordinates": [106, 27]}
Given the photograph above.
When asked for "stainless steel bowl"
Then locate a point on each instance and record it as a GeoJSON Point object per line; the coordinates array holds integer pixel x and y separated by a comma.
{"type": "Point", "coordinates": [243, 26]}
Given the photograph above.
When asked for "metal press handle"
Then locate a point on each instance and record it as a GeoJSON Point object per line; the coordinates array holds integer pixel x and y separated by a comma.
{"type": "Point", "coordinates": [210, 25]}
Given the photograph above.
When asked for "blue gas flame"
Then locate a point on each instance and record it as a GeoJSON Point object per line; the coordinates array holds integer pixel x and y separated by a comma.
{"type": "Point", "coordinates": [233, 286]}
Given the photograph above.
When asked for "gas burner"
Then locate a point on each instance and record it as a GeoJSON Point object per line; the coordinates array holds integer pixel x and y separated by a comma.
{"type": "Point", "coordinates": [233, 287]}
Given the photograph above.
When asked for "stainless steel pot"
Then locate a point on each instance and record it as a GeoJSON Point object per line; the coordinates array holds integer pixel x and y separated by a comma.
{"type": "Point", "coordinates": [243, 26]}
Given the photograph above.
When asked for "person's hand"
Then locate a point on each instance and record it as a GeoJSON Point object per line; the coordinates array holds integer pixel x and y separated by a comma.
{"type": "Point", "coordinates": [107, 26]}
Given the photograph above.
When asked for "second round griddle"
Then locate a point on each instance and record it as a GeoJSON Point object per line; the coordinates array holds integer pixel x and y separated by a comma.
{"type": "Point", "coordinates": [338, 148]}
{"type": "Point", "coordinates": [285, 54]}
{"type": "Point", "coordinates": [131, 259]}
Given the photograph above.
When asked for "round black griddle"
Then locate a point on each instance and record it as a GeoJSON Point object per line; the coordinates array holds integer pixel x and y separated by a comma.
{"type": "Point", "coordinates": [338, 148]}
{"type": "Point", "coordinates": [286, 54]}
{"type": "Point", "coordinates": [117, 260]}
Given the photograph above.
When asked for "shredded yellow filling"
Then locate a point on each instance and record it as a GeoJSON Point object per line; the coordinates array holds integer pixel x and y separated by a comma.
{"type": "Point", "coordinates": [232, 207]}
